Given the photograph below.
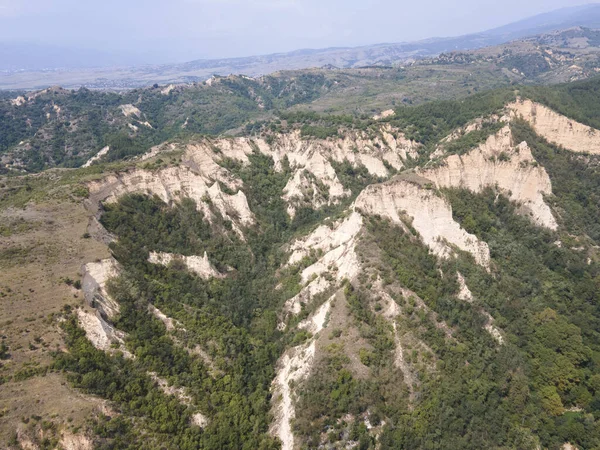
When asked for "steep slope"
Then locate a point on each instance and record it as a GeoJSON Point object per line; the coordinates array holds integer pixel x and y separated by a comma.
{"type": "Point", "coordinates": [56, 127]}
{"type": "Point", "coordinates": [427, 212]}
{"type": "Point", "coordinates": [556, 128]}
{"type": "Point", "coordinates": [499, 162]}
{"type": "Point", "coordinates": [357, 289]}
{"type": "Point", "coordinates": [312, 182]}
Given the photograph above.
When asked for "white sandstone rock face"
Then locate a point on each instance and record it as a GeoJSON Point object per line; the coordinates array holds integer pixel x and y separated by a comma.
{"type": "Point", "coordinates": [336, 244]}
{"type": "Point", "coordinates": [70, 441]}
{"type": "Point", "coordinates": [204, 158]}
{"type": "Point", "coordinates": [492, 329]}
{"type": "Point", "coordinates": [199, 420]}
{"type": "Point", "coordinates": [475, 125]}
{"type": "Point", "coordinates": [464, 292]}
{"type": "Point", "coordinates": [410, 377]}
{"type": "Point", "coordinates": [314, 181]}
{"type": "Point", "coordinates": [293, 367]}
{"type": "Point", "coordinates": [168, 184]}
{"type": "Point", "coordinates": [233, 207]}
{"type": "Point", "coordinates": [384, 114]}
{"type": "Point", "coordinates": [557, 128]}
{"type": "Point", "coordinates": [198, 178]}
{"type": "Point", "coordinates": [93, 284]}
{"type": "Point", "coordinates": [317, 184]}
{"type": "Point", "coordinates": [497, 162]}
{"type": "Point", "coordinates": [174, 184]}
{"type": "Point", "coordinates": [339, 260]}
{"type": "Point", "coordinates": [316, 322]}
{"type": "Point", "coordinates": [200, 265]}
{"type": "Point", "coordinates": [130, 110]}
{"type": "Point", "coordinates": [167, 90]}
{"type": "Point", "coordinates": [169, 323]}
{"type": "Point", "coordinates": [157, 149]}
{"type": "Point", "coordinates": [314, 156]}
{"type": "Point", "coordinates": [312, 289]}
{"type": "Point", "coordinates": [97, 157]}
{"type": "Point", "coordinates": [431, 217]}
{"type": "Point", "coordinates": [100, 333]}
{"type": "Point", "coordinates": [180, 394]}
{"type": "Point", "coordinates": [391, 310]}
{"type": "Point", "coordinates": [20, 100]}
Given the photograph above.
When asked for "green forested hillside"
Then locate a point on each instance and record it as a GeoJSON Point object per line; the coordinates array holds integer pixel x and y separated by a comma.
{"type": "Point", "coordinates": [64, 128]}
{"type": "Point", "coordinates": [542, 384]}
{"type": "Point", "coordinates": [515, 364]}
{"type": "Point", "coordinates": [61, 128]}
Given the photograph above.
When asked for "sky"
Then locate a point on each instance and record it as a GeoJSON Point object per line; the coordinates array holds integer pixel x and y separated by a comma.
{"type": "Point", "coordinates": [181, 30]}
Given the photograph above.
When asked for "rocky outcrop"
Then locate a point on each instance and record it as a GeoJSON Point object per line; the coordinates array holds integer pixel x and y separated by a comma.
{"type": "Point", "coordinates": [93, 284]}
{"type": "Point", "coordinates": [557, 128]}
{"type": "Point", "coordinates": [385, 146]}
{"type": "Point", "coordinates": [169, 323]}
{"type": "Point", "coordinates": [398, 200]}
{"type": "Point", "coordinates": [315, 184]}
{"type": "Point", "coordinates": [165, 147]}
{"type": "Point", "coordinates": [315, 323]}
{"type": "Point", "coordinates": [499, 163]}
{"type": "Point", "coordinates": [294, 367]}
{"type": "Point", "coordinates": [384, 114]}
{"type": "Point", "coordinates": [97, 157]}
{"type": "Point", "coordinates": [100, 333]}
{"type": "Point", "coordinates": [167, 90]}
{"type": "Point", "coordinates": [464, 293]}
{"type": "Point", "coordinates": [338, 261]}
{"type": "Point", "coordinates": [204, 158]}
{"type": "Point", "coordinates": [20, 100]}
{"type": "Point", "coordinates": [174, 184]}
{"type": "Point", "coordinates": [309, 159]}
{"type": "Point", "coordinates": [357, 147]}
{"type": "Point", "coordinates": [200, 265]}
{"type": "Point", "coordinates": [314, 181]}
{"type": "Point", "coordinates": [492, 329]}
{"type": "Point", "coordinates": [474, 125]}
{"type": "Point", "coordinates": [130, 110]}
{"type": "Point", "coordinates": [197, 419]}
{"type": "Point", "coordinates": [391, 310]}
{"type": "Point", "coordinates": [70, 441]}
{"type": "Point", "coordinates": [431, 217]}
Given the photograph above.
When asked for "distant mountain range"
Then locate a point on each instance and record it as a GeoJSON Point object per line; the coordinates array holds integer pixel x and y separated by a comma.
{"type": "Point", "coordinates": [387, 54]}
{"type": "Point", "coordinates": [372, 55]}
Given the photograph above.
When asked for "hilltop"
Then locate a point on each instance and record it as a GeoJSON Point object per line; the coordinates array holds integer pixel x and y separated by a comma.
{"type": "Point", "coordinates": [427, 276]}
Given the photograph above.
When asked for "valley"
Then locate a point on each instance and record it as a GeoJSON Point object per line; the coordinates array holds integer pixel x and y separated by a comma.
{"type": "Point", "coordinates": [323, 281]}
{"type": "Point", "coordinates": [398, 248]}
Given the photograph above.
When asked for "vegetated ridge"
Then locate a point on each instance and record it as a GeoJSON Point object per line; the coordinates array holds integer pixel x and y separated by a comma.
{"type": "Point", "coordinates": [425, 279]}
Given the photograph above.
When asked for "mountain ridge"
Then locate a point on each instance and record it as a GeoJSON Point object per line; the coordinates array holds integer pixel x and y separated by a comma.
{"type": "Point", "coordinates": [342, 57]}
{"type": "Point", "coordinates": [323, 290]}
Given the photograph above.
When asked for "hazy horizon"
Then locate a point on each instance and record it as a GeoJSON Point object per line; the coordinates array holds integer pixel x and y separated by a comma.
{"type": "Point", "coordinates": [184, 30]}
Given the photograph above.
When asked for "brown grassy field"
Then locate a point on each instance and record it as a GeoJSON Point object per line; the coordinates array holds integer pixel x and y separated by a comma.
{"type": "Point", "coordinates": [42, 246]}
